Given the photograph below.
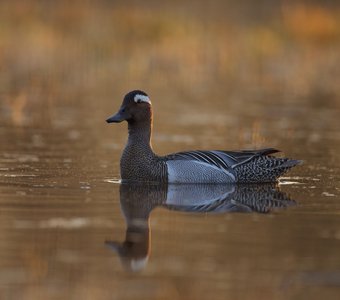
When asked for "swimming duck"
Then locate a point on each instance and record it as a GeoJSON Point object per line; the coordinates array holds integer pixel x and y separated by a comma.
{"type": "Point", "coordinates": [140, 163]}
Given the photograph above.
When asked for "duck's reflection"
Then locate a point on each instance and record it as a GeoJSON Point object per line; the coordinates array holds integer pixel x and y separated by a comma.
{"type": "Point", "coordinates": [138, 200]}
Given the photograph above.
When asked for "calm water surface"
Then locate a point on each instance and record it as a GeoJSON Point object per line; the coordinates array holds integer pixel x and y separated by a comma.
{"type": "Point", "coordinates": [69, 230]}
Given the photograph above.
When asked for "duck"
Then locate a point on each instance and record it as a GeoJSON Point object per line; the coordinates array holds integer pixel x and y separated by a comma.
{"type": "Point", "coordinates": [139, 163]}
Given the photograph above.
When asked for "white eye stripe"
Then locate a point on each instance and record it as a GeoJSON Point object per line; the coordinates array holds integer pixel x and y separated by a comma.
{"type": "Point", "coordinates": [141, 98]}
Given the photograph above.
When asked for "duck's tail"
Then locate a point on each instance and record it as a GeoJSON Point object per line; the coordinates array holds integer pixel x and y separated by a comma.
{"type": "Point", "coordinates": [290, 163]}
{"type": "Point", "coordinates": [264, 169]}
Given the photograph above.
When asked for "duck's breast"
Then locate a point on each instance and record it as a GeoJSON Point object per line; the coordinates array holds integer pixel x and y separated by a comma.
{"type": "Point", "coordinates": [191, 171]}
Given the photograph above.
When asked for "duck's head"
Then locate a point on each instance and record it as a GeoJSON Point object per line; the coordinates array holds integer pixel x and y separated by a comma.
{"type": "Point", "coordinates": [136, 107]}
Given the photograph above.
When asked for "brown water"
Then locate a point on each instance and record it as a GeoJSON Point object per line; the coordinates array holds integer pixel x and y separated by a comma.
{"type": "Point", "coordinates": [61, 204]}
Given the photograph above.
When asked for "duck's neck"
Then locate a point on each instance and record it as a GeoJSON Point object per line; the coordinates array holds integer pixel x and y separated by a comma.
{"type": "Point", "coordinates": [140, 136]}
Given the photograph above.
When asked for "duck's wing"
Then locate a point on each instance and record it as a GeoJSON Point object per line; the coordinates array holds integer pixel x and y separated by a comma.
{"type": "Point", "coordinates": [222, 159]}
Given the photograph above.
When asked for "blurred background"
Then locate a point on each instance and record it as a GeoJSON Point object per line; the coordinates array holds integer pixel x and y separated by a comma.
{"type": "Point", "coordinates": [221, 75]}
{"type": "Point", "coordinates": [187, 55]}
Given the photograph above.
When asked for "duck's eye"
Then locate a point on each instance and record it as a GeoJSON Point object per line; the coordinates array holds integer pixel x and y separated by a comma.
{"type": "Point", "coordinates": [139, 101]}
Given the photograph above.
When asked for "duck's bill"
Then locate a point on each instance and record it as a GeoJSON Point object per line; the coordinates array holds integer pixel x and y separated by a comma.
{"type": "Point", "coordinates": [117, 118]}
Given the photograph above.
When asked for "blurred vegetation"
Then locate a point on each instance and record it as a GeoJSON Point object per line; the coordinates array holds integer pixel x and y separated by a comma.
{"type": "Point", "coordinates": [61, 52]}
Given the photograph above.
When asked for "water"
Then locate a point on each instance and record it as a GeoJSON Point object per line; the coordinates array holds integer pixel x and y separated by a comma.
{"type": "Point", "coordinates": [70, 230]}
{"type": "Point", "coordinates": [62, 206]}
